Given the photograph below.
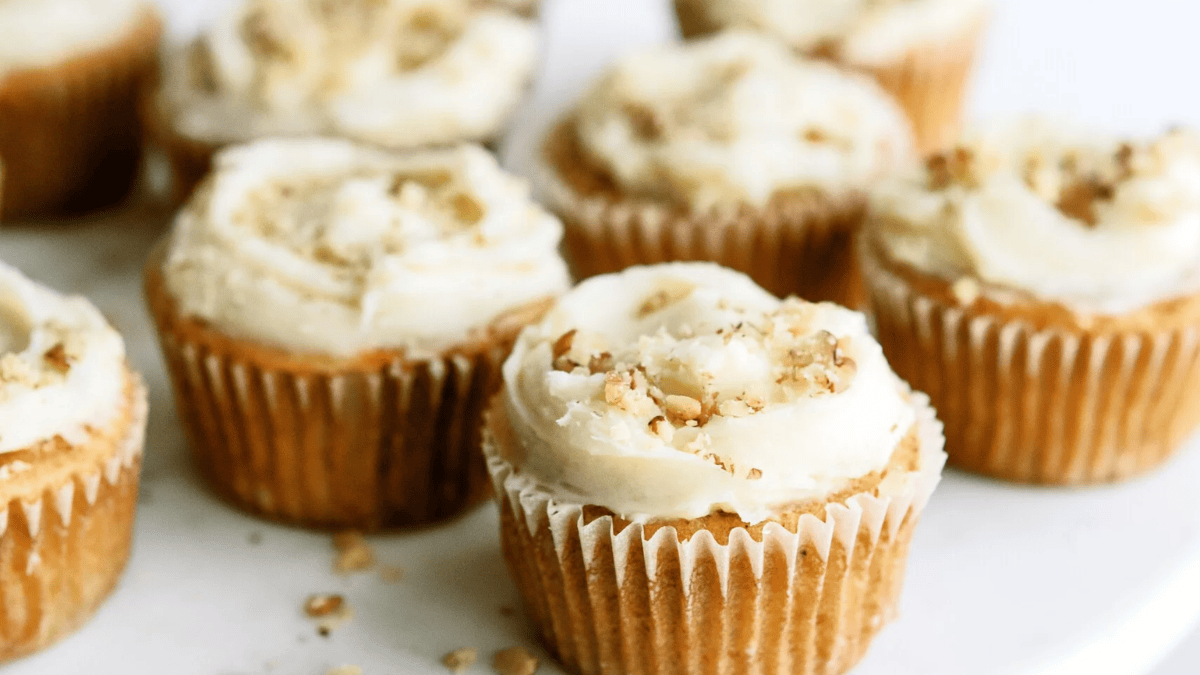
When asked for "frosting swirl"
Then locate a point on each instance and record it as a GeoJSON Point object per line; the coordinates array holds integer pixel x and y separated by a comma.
{"type": "Point", "coordinates": [61, 365]}
{"type": "Point", "coordinates": [737, 119]}
{"type": "Point", "coordinates": [326, 246]}
{"type": "Point", "coordinates": [861, 31]}
{"type": "Point", "coordinates": [400, 73]}
{"type": "Point", "coordinates": [681, 389]}
{"type": "Point", "coordinates": [1069, 216]}
{"type": "Point", "coordinates": [42, 32]}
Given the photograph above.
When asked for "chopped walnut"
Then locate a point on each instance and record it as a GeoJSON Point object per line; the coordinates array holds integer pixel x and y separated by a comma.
{"type": "Point", "coordinates": [647, 123]}
{"type": "Point", "coordinates": [946, 169]}
{"type": "Point", "coordinates": [754, 474]}
{"type": "Point", "coordinates": [1078, 198]}
{"type": "Point", "coordinates": [514, 661]}
{"type": "Point", "coordinates": [734, 408]}
{"type": "Point", "coordinates": [459, 660]}
{"type": "Point", "coordinates": [559, 352]}
{"type": "Point", "coordinates": [814, 135]}
{"type": "Point", "coordinates": [353, 552]}
{"type": "Point", "coordinates": [323, 604]}
{"type": "Point", "coordinates": [682, 408]}
{"type": "Point", "coordinates": [57, 357]}
{"type": "Point", "coordinates": [819, 365]}
{"type": "Point", "coordinates": [660, 427]}
{"type": "Point", "coordinates": [671, 292]}
{"type": "Point", "coordinates": [600, 363]}
{"type": "Point", "coordinates": [466, 209]}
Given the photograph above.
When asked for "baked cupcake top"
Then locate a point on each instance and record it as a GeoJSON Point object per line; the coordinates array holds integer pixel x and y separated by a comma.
{"type": "Point", "coordinates": [45, 32]}
{"type": "Point", "coordinates": [677, 390]}
{"type": "Point", "coordinates": [61, 365]}
{"type": "Point", "coordinates": [861, 31]}
{"type": "Point", "coordinates": [400, 73]}
{"type": "Point", "coordinates": [736, 119]}
{"type": "Point", "coordinates": [324, 246]}
{"type": "Point", "coordinates": [1068, 216]}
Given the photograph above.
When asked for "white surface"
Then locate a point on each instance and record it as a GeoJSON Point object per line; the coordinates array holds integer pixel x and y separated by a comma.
{"type": "Point", "coordinates": [1002, 580]}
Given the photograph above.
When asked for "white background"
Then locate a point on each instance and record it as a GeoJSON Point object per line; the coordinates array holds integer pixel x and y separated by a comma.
{"type": "Point", "coordinates": [1120, 64]}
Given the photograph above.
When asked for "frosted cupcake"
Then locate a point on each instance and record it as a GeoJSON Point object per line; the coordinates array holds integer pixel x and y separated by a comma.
{"type": "Point", "coordinates": [693, 472]}
{"type": "Point", "coordinates": [729, 150]}
{"type": "Point", "coordinates": [334, 319]}
{"type": "Point", "coordinates": [69, 76]}
{"type": "Point", "coordinates": [921, 51]}
{"type": "Point", "coordinates": [394, 73]}
{"type": "Point", "coordinates": [72, 422]}
{"type": "Point", "coordinates": [1042, 284]}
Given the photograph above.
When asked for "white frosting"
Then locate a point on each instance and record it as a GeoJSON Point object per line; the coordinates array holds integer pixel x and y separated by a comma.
{"type": "Point", "coordinates": [787, 415]}
{"type": "Point", "coordinates": [1007, 218]}
{"type": "Point", "coordinates": [736, 119]}
{"type": "Point", "coordinates": [45, 32]}
{"type": "Point", "coordinates": [400, 73]}
{"type": "Point", "coordinates": [326, 246]}
{"type": "Point", "coordinates": [861, 31]}
{"type": "Point", "coordinates": [61, 365]}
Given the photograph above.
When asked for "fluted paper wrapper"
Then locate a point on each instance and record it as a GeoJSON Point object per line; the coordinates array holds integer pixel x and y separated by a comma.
{"type": "Point", "coordinates": [803, 246]}
{"type": "Point", "coordinates": [392, 443]}
{"type": "Point", "coordinates": [930, 80]}
{"type": "Point", "coordinates": [70, 134]}
{"type": "Point", "coordinates": [63, 553]}
{"type": "Point", "coordinates": [1050, 406]}
{"type": "Point", "coordinates": [611, 600]}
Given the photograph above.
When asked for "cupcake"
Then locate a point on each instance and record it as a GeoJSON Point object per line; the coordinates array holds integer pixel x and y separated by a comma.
{"type": "Point", "coordinates": [401, 74]}
{"type": "Point", "coordinates": [695, 476]}
{"type": "Point", "coordinates": [730, 150]}
{"type": "Point", "coordinates": [1042, 284]}
{"type": "Point", "coordinates": [921, 51]}
{"type": "Point", "coordinates": [69, 76]}
{"type": "Point", "coordinates": [73, 418]}
{"type": "Point", "coordinates": [334, 318]}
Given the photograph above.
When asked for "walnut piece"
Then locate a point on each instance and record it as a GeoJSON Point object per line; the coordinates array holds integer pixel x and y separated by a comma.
{"type": "Point", "coordinates": [323, 604]}
{"type": "Point", "coordinates": [682, 408]}
{"type": "Point", "coordinates": [57, 358]}
{"type": "Point", "coordinates": [459, 660]}
{"type": "Point", "coordinates": [559, 351]}
{"type": "Point", "coordinates": [354, 554]}
{"type": "Point", "coordinates": [514, 661]}
{"type": "Point", "coordinates": [1078, 198]}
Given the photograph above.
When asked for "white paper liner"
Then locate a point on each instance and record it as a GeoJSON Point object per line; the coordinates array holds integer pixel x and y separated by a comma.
{"type": "Point", "coordinates": [1042, 406]}
{"type": "Point", "coordinates": [61, 554]}
{"type": "Point", "coordinates": [803, 249]}
{"type": "Point", "coordinates": [607, 601]}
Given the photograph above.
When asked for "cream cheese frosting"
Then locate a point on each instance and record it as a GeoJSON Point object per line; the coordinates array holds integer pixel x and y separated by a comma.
{"type": "Point", "coordinates": [41, 33]}
{"type": "Point", "coordinates": [400, 73]}
{"type": "Point", "coordinates": [326, 246]}
{"type": "Point", "coordinates": [61, 365]}
{"type": "Point", "coordinates": [737, 119]}
{"type": "Point", "coordinates": [1065, 214]}
{"type": "Point", "coordinates": [861, 31]}
{"type": "Point", "coordinates": [676, 390]}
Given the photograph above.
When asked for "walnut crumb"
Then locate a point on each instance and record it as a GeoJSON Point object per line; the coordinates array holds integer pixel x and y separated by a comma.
{"type": "Point", "coordinates": [1078, 198]}
{"type": "Point", "coordinates": [667, 295]}
{"type": "Point", "coordinates": [659, 426]}
{"type": "Point", "coordinates": [600, 363]}
{"type": "Point", "coordinates": [514, 661]}
{"type": "Point", "coordinates": [57, 357]}
{"type": "Point", "coordinates": [323, 604]}
{"type": "Point", "coordinates": [754, 474]}
{"type": "Point", "coordinates": [559, 351]}
{"type": "Point", "coordinates": [682, 408]}
{"type": "Point", "coordinates": [459, 660]}
{"type": "Point", "coordinates": [353, 552]}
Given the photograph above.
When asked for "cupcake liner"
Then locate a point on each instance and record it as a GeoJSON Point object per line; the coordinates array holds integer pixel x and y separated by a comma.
{"type": "Point", "coordinates": [930, 80]}
{"type": "Point", "coordinates": [610, 596]}
{"type": "Point", "coordinates": [70, 134]}
{"type": "Point", "coordinates": [801, 244]}
{"type": "Point", "coordinates": [1053, 405]}
{"type": "Point", "coordinates": [372, 443]}
{"type": "Point", "coordinates": [62, 550]}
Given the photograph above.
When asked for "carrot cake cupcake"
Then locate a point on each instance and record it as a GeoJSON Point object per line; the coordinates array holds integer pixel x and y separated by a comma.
{"type": "Point", "coordinates": [1042, 284]}
{"type": "Point", "coordinates": [697, 476]}
{"type": "Point", "coordinates": [728, 149]}
{"type": "Point", "coordinates": [69, 76]}
{"type": "Point", "coordinates": [334, 318]}
{"type": "Point", "coordinates": [921, 51]}
{"type": "Point", "coordinates": [396, 73]}
{"type": "Point", "coordinates": [72, 422]}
